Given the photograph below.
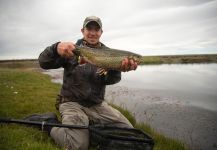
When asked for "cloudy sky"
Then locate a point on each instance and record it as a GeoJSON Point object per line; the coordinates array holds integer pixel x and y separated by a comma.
{"type": "Point", "coordinates": [146, 27]}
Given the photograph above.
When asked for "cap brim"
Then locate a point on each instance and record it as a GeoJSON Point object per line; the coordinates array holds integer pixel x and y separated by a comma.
{"type": "Point", "coordinates": [92, 21]}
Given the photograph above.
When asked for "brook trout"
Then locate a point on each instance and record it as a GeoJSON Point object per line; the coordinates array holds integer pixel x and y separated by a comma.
{"type": "Point", "coordinates": [111, 59]}
{"type": "Point", "coordinates": [106, 58]}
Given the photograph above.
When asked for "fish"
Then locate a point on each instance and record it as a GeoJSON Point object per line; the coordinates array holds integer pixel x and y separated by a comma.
{"type": "Point", "coordinates": [106, 58]}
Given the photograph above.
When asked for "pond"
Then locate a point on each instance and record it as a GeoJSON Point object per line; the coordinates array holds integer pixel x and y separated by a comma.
{"type": "Point", "coordinates": [193, 85]}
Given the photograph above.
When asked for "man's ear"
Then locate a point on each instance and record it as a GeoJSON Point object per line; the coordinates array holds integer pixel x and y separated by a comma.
{"type": "Point", "coordinates": [82, 30]}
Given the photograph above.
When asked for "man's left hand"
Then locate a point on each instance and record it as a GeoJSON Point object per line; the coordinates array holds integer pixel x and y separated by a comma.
{"type": "Point", "coordinates": [128, 64]}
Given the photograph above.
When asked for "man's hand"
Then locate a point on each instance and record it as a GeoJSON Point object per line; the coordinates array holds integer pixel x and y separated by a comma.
{"type": "Point", "coordinates": [65, 49]}
{"type": "Point", "coordinates": [101, 71]}
{"type": "Point", "coordinates": [128, 64]}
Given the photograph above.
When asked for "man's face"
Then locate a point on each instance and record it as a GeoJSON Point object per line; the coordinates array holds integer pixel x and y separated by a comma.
{"type": "Point", "coordinates": [92, 33]}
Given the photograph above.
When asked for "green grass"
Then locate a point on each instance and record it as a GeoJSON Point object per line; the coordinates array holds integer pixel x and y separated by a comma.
{"type": "Point", "coordinates": [25, 92]}
{"type": "Point", "coordinates": [22, 93]}
{"type": "Point", "coordinates": [22, 63]}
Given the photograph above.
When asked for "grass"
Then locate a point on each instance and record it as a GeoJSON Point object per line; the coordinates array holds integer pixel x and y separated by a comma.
{"type": "Point", "coordinates": [22, 63]}
{"type": "Point", "coordinates": [22, 93]}
{"type": "Point", "coordinates": [25, 92]}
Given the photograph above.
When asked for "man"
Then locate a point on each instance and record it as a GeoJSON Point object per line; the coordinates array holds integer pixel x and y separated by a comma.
{"type": "Point", "coordinates": [81, 99]}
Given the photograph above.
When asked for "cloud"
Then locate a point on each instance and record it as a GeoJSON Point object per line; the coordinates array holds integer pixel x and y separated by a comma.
{"type": "Point", "coordinates": [147, 4]}
{"type": "Point", "coordinates": [143, 26]}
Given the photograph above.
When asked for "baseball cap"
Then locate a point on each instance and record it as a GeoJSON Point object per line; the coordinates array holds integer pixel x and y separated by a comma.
{"type": "Point", "coordinates": [92, 18]}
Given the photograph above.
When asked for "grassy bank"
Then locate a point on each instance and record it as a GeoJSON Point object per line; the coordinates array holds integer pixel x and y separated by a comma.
{"type": "Point", "coordinates": [22, 63]}
{"type": "Point", "coordinates": [179, 59]}
{"type": "Point", "coordinates": [25, 92]}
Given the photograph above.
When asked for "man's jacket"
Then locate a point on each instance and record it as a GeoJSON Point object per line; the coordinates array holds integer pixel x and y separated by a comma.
{"type": "Point", "coordinates": [81, 83]}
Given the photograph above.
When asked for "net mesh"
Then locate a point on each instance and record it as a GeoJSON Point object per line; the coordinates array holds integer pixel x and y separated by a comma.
{"type": "Point", "coordinates": [114, 138]}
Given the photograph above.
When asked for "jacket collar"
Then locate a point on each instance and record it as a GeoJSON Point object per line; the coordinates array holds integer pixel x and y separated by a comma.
{"type": "Point", "coordinates": [82, 42]}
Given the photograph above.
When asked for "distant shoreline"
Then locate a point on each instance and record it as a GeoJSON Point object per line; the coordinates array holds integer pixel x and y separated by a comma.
{"type": "Point", "coordinates": [17, 60]}
{"type": "Point", "coordinates": [146, 60]}
{"type": "Point", "coordinates": [179, 59]}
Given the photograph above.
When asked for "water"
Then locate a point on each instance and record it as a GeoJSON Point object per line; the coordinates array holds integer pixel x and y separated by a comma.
{"type": "Point", "coordinates": [179, 101]}
{"type": "Point", "coordinates": [193, 85]}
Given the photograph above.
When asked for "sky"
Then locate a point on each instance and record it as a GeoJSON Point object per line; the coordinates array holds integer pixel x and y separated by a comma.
{"type": "Point", "coordinates": [146, 27]}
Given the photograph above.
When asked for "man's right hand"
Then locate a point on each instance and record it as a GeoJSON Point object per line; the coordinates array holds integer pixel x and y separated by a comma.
{"type": "Point", "coordinates": [65, 49]}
